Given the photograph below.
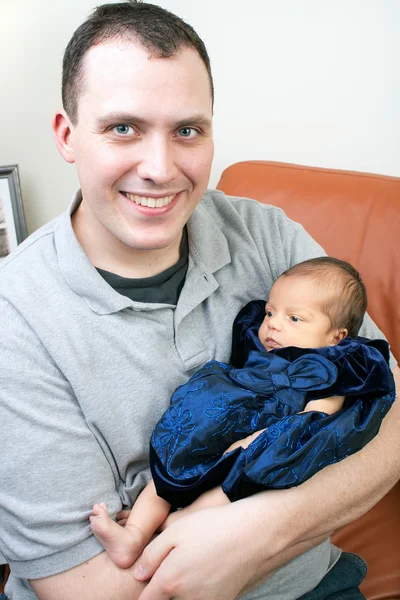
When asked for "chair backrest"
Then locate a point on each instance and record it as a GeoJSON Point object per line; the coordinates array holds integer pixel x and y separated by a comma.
{"type": "Point", "coordinates": [354, 216]}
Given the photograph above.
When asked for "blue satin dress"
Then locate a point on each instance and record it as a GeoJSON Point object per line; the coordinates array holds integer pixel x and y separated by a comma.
{"type": "Point", "coordinates": [224, 403]}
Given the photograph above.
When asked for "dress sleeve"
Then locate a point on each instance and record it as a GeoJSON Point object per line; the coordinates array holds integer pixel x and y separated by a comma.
{"type": "Point", "coordinates": [363, 369]}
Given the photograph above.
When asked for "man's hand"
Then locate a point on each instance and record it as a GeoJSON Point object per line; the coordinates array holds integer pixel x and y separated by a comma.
{"type": "Point", "coordinates": [198, 557]}
{"type": "Point", "coordinates": [220, 553]}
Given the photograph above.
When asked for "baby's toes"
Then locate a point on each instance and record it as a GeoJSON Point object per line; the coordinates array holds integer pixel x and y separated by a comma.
{"type": "Point", "coordinates": [100, 510]}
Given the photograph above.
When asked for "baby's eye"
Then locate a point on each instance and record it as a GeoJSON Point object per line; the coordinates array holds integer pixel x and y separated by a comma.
{"type": "Point", "coordinates": [269, 313]}
{"type": "Point", "coordinates": [294, 319]}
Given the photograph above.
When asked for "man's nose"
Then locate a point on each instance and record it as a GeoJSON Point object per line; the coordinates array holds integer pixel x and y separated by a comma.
{"type": "Point", "coordinates": [157, 160]}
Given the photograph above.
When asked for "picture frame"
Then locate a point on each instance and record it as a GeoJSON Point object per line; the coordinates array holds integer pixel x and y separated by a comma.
{"type": "Point", "coordinates": [12, 217]}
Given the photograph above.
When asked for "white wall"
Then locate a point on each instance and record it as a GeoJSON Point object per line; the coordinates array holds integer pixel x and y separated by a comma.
{"type": "Point", "coordinates": [313, 81]}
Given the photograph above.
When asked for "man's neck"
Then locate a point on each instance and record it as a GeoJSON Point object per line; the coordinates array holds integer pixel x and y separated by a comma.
{"type": "Point", "coordinates": [136, 264]}
{"type": "Point", "coordinates": [120, 259]}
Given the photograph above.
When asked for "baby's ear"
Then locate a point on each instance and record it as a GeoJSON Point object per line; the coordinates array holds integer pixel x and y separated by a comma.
{"type": "Point", "coordinates": [338, 335]}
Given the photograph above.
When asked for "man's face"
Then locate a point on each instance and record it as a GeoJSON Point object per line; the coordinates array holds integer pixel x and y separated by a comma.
{"type": "Point", "coordinates": [142, 145]}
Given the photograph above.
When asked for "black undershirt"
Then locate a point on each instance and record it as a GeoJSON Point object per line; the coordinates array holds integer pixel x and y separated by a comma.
{"type": "Point", "coordinates": [162, 288]}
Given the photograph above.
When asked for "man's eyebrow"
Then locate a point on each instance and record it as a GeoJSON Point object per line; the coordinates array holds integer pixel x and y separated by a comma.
{"type": "Point", "coordinates": [118, 117]}
{"type": "Point", "coordinates": [194, 120]}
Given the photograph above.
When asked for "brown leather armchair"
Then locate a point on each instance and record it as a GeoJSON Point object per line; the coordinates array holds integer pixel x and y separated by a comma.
{"type": "Point", "coordinates": [355, 217]}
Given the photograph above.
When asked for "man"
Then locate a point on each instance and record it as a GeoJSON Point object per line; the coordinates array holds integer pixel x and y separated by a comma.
{"type": "Point", "coordinates": [108, 308]}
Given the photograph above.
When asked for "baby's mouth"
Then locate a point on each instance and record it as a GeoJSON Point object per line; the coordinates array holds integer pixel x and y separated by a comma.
{"type": "Point", "coordinates": [272, 342]}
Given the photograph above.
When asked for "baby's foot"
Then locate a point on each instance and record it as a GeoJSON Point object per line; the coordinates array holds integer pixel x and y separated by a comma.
{"type": "Point", "coordinates": [123, 545]}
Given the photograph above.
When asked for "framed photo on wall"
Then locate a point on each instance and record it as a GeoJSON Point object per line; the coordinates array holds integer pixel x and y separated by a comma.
{"type": "Point", "coordinates": [12, 218]}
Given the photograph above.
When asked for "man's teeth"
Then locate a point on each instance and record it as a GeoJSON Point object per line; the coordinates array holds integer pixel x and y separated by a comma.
{"type": "Point", "coordinates": [150, 202]}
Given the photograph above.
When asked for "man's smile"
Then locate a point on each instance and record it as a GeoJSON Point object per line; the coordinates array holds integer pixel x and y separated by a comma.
{"type": "Point", "coordinates": [150, 201]}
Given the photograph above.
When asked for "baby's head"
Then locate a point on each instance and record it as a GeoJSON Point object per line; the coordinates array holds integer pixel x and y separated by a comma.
{"type": "Point", "coordinates": [314, 304]}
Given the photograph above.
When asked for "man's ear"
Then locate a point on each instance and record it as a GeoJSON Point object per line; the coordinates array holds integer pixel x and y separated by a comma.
{"type": "Point", "coordinates": [338, 335]}
{"type": "Point", "coordinates": [62, 129]}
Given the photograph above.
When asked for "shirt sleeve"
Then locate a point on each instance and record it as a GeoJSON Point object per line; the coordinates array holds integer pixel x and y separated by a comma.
{"type": "Point", "coordinates": [52, 469]}
{"type": "Point", "coordinates": [281, 242]}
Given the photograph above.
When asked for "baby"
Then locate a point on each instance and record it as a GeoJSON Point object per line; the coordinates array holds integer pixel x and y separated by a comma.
{"type": "Point", "coordinates": [299, 386]}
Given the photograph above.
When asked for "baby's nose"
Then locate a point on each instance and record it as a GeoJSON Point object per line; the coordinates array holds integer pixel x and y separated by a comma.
{"type": "Point", "coordinates": [275, 322]}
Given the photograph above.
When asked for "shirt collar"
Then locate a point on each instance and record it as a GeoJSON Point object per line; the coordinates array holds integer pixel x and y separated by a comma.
{"type": "Point", "coordinates": [208, 252]}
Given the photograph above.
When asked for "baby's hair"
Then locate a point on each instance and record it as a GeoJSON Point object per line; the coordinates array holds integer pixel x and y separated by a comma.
{"type": "Point", "coordinates": [346, 303]}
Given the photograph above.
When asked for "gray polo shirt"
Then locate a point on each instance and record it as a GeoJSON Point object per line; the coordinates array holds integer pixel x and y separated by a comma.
{"type": "Point", "coordinates": [86, 372]}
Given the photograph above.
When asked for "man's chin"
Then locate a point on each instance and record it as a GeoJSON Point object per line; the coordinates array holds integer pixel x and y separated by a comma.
{"type": "Point", "coordinates": [153, 243]}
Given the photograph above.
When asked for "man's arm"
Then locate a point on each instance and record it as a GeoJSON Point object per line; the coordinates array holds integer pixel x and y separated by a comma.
{"type": "Point", "coordinates": [344, 491]}
{"type": "Point", "coordinates": [273, 527]}
{"type": "Point", "coordinates": [96, 579]}
{"type": "Point", "coordinates": [52, 471]}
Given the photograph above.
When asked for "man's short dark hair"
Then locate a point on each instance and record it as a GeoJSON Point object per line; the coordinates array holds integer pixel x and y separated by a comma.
{"type": "Point", "coordinates": [160, 32]}
{"type": "Point", "coordinates": [345, 303]}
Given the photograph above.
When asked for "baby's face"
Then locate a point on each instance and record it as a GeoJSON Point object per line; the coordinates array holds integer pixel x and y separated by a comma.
{"type": "Point", "coordinates": [293, 316]}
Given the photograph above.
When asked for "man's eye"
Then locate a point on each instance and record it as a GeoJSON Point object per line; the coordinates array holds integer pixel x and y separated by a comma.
{"type": "Point", "coordinates": [122, 129]}
{"type": "Point", "coordinates": [187, 132]}
{"type": "Point", "coordinates": [294, 319]}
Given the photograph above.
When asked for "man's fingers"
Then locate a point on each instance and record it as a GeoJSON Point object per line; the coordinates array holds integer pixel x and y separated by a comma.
{"type": "Point", "coordinates": [157, 589]}
{"type": "Point", "coordinates": [152, 557]}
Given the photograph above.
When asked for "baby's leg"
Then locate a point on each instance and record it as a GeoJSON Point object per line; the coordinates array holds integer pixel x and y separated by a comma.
{"type": "Point", "coordinates": [124, 544]}
{"type": "Point", "coordinates": [148, 512]}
